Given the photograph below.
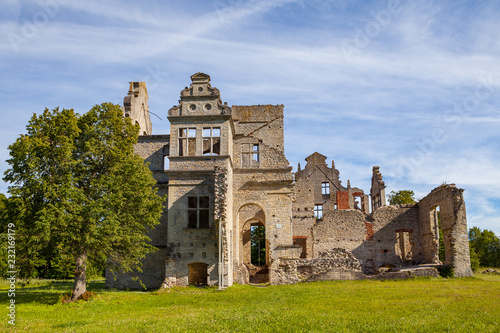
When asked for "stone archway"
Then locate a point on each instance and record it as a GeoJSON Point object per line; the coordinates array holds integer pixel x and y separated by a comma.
{"type": "Point", "coordinates": [252, 217]}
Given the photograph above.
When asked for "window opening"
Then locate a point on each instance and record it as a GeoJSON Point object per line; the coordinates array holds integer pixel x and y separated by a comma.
{"type": "Point", "coordinates": [250, 155]}
{"type": "Point", "coordinates": [438, 232]}
{"type": "Point", "coordinates": [318, 212]}
{"type": "Point", "coordinates": [255, 153]}
{"type": "Point", "coordinates": [376, 201]}
{"type": "Point", "coordinates": [211, 141]}
{"type": "Point", "coordinates": [258, 245]}
{"type": "Point", "coordinates": [187, 141]}
{"type": "Point", "coordinates": [166, 154]}
{"type": "Point", "coordinates": [198, 212]}
{"type": "Point", "coordinates": [325, 188]}
{"type": "Point", "coordinates": [404, 244]}
{"type": "Point", "coordinates": [358, 202]}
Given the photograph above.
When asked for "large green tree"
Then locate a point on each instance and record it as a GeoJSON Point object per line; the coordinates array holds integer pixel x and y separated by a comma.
{"type": "Point", "coordinates": [401, 197]}
{"type": "Point", "coordinates": [79, 189]}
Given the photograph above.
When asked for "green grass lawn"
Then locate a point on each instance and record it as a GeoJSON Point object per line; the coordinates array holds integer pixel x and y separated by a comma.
{"type": "Point", "coordinates": [420, 305]}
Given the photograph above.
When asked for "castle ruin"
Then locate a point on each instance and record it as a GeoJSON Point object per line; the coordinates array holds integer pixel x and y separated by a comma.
{"type": "Point", "coordinates": [236, 213]}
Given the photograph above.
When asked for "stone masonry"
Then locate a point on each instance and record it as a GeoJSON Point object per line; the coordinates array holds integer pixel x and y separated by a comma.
{"type": "Point", "coordinates": [237, 214]}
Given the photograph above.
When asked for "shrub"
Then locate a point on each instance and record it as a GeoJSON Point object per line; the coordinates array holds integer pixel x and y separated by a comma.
{"type": "Point", "coordinates": [445, 271]}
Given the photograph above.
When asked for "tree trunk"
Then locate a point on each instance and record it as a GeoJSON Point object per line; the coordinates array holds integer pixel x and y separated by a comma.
{"type": "Point", "coordinates": [80, 284]}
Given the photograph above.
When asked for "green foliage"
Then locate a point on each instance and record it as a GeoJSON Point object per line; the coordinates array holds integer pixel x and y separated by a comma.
{"type": "Point", "coordinates": [486, 245]}
{"type": "Point", "coordinates": [3, 236]}
{"type": "Point", "coordinates": [446, 271]}
{"type": "Point", "coordinates": [401, 197]}
{"type": "Point", "coordinates": [258, 245]}
{"type": "Point", "coordinates": [474, 260]}
{"type": "Point", "coordinates": [78, 189]}
{"type": "Point", "coordinates": [442, 251]}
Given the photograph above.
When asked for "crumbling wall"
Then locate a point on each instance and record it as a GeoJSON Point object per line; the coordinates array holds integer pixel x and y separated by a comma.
{"type": "Point", "coordinates": [271, 191]}
{"type": "Point", "coordinates": [154, 149]}
{"type": "Point", "coordinates": [343, 229]}
{"type": "Point", "coordinates": [396, 238]}
{"type": "Point", "coordinates": [222, 226]}
{"type": "Point", "coordinates": [135, 107]}
{"type": "Point", "coordinates": [390, 236]}
{"type": "Point", "coordinates": [258, 127]}
{"type": "Point", "coordinates": [303, 216]}
{"type": "Point", "coordinates": [454, 225]}
{"type": "Point", "coordinates": [377, 191]}
{"type": "Point", "coordinates": [325, 266]}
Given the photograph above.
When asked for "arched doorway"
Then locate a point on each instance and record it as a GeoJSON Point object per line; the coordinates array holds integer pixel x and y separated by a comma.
{"type": "Point", "coordinates": [254, 250]}
{"type": "Point", "coordinates": [198, 273]}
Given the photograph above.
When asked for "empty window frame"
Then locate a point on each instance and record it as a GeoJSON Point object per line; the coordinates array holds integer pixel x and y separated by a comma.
{"type": "Point", "coordinates": [376, 201]}
{"type": "Point", "coordinates": [325, 188]}
{"type": "Point", "coordinates": [166, 154]}
{"type": "Point", "coordinates": [198, 212]}
{"type": "Point", "coordinates": [250, 154]}
{"type": "Point", "coordinates": [318, 212]}
{"type": "Point", "coordinates": [211, 140]}
{"type": "Point", "coordinates": [187, 141]}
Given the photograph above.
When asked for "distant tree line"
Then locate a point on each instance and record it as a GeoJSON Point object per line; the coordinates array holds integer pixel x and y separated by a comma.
{"type": "Point", "coordinates": [484, 248]}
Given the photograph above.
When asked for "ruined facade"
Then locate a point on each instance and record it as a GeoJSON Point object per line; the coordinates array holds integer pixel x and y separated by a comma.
{"type": "Point", "coordinates": [236, 213]}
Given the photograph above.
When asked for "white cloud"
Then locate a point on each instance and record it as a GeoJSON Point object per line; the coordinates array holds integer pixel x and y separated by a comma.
{"type": "Point", "coordinates": [379, 108]}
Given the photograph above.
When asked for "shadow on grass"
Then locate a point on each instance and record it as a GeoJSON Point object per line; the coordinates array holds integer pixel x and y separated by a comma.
{"type": "Point", "coordinates": [49, 293]}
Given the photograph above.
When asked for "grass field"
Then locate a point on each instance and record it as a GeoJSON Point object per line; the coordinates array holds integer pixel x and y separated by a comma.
{"type": "Point", "coordinates": [420, 305]}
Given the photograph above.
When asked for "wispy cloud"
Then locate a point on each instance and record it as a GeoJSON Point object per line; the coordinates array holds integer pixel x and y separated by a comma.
{"type": "Point", "coordinates": [420, 74]}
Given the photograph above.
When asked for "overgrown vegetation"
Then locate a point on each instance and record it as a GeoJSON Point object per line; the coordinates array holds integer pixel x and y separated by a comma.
{"type": "Point", "coordinates": [420, 305]}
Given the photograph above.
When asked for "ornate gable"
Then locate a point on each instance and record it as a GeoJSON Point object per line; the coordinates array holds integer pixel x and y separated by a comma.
{"type": "Point", "coordinates": [200, 99]}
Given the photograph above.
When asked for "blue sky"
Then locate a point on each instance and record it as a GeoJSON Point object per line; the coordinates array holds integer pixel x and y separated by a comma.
{"type": "Point", "coordinates": [410, 86]}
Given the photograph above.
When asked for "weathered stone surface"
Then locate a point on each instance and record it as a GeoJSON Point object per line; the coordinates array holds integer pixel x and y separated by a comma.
{"type": "Point", "coordinates": [135, 107]}
{"type": "Point", "coordinates": [225, 172]}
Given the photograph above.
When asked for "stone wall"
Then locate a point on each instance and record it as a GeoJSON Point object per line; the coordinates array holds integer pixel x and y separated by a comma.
{"type": "Point", "coordinates": [190, 245]}
{"type": "Point", "coordinates": [135, 107]}
{"type": "Point", "coordinates": [395, 227]}
{"type": "Point", "coordinates": [377, 191]}
{"type": "Point", "coordinates": [375, 240]}
{"type": "Point", "coordinates": [450, 200]}
{"type": "Point", "coordinates": [315, 228]}
{"type": "Point", "coordinates": [343, 229]}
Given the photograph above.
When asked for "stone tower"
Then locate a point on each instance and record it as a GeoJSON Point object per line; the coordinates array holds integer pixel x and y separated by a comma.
{"type": "Point", "coordinates": [135, 106]}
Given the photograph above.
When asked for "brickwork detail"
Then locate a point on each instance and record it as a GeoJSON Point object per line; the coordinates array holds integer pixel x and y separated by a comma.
{"type": "Point", "coordinates": [342, 200]}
